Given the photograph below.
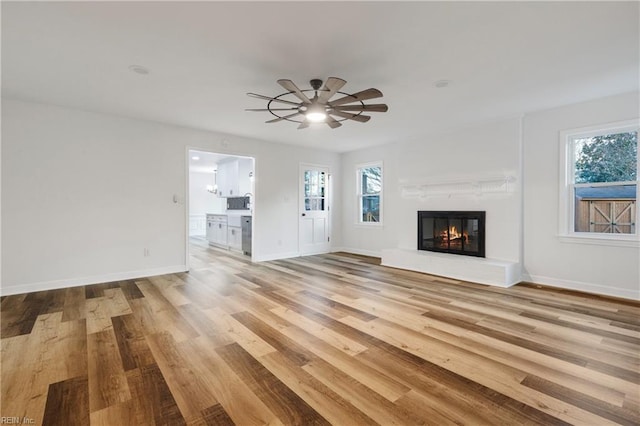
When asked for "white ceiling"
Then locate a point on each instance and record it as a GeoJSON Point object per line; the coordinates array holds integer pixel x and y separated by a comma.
{"type": "Point", "coordinates": [204, 162]}
{"type": "Point", "coordinates": [207, 162]}
{"type": "Point", "coordinates": [503, 58]}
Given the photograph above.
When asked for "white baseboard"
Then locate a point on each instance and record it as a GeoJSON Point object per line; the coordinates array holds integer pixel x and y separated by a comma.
{"type": "Point", "coordinates": [95, 279]}
{"type": "Point", "coordinates": [582, 286]}
{"type": "Point", "coordinates": [277, 256]}
{"type": "Point", "coordinates": [333, 250]}
{"type": "Point", "coordinates": [370, 253]}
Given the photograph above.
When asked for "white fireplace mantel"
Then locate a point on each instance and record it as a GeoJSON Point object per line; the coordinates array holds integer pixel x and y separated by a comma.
{"type": "Point", "coordinates": [466, 268]}
{"type": "Point", "coordinates": [477, 186]}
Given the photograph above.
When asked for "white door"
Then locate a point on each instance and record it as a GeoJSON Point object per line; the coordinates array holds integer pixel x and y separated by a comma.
{"type": "Point", "coordinates": [314, 209]}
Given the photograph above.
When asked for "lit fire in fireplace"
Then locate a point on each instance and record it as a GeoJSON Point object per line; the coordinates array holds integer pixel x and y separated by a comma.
{"type": "Point", "coordinates": [454, 234]}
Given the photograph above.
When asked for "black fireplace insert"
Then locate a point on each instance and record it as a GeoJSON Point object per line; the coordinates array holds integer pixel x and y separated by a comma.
{"type": "Point", "coordinates": [456, 232]}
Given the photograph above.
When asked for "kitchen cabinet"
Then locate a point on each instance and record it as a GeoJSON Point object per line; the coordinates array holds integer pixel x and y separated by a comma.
{"type": "Point", "coordinates": [228, 179]}
{"type": "Point", "coordinates": [220, 235]}
{"type": "Point", "coordinates": [226, 231]}
{"type": "Point", "coordinates": [233, 177]}
{"type": "Point", "coordinates": [234, 238]}
{"type": "Point", "coordinates": [245, 170]}
{"type": "Point", "coordinates": [234, 233]}
{"type": "Point", "coordinates": [210, 228]}
{"type": "Point", "coordinates": [217, 230]}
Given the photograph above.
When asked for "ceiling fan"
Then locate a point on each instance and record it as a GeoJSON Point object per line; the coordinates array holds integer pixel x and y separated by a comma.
{"type": "Point", "coordinates": [319, 108]}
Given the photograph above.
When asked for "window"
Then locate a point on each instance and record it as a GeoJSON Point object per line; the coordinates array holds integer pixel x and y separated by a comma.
{"type": "Point", "coordinates": [600, 189]}
{"type": "Point", "coordinates": [315, 183]}
{"type": "Point", "coordinates": [370, 193]}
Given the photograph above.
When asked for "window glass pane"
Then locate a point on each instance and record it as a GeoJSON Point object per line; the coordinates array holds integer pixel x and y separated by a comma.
{"type": "Point", "coordinates": [607, 209]}
{"type": "Point", "coordinates": [308, 180]}
{"type": "Point", "coordinates": [371, 208]}
{"type": "Point", "coordinates": [315, 183]}
{"type": "Point", "coordinates": [606, 158]}
{"type": "Point", "coordinates": [314, 203]}
{"type": "Point", "coordinates": [371, 179]}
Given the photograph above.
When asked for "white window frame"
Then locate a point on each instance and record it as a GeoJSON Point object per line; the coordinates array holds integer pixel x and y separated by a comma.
{"type": "Point", "coordinates": [359, 194]}
{"type": "Point", "coordinates": [567, 231]}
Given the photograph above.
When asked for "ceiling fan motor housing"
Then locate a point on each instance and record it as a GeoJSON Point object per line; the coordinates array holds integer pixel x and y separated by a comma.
{"type": "Point", "coordinates": [315, 83]}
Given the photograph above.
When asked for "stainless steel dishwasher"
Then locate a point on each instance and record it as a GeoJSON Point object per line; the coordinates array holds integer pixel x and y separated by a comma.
{"type": "Point", "coordinates": [246, 235]}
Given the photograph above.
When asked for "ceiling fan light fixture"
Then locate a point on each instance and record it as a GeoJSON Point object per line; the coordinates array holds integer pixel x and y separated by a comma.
{"type": "Point", "coordinates": [316, 114]}
{"type": "Point", "coordinates": [316, 117]}
{"type": "Point", "coordinates": [319, 108]}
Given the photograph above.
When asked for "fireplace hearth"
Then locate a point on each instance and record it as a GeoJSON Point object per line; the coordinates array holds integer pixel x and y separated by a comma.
{"type": "Point", "coordinates": [455, 232]}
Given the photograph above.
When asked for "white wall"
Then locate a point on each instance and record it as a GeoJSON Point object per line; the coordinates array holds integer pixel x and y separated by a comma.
{"type": "Point", "coordinates": [595, 268]}
{"type": "Point", "coordinates": [522, 226]}
{"type": "Point", "coordinates": [83, 194]}
{"type": "Point", "coordinates": [492, 149]}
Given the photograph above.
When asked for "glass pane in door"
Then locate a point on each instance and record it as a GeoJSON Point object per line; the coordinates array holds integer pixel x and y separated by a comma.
{"type": "Point", "coordinates": [314, 190]}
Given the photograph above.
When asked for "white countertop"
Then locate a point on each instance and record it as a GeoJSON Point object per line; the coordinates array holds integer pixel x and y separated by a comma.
{"type": "Point", "coordinates": [232, 220]}
{"type": "Point", "coordinates": [233, 213]}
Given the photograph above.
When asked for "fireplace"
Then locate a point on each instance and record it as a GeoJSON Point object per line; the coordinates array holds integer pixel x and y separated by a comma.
{"type": "Point", "coordinates": [456, 232]}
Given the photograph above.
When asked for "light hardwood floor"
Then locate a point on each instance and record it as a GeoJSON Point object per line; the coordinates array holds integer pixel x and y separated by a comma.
{"type": "Point", "coordinates": [328, 339]}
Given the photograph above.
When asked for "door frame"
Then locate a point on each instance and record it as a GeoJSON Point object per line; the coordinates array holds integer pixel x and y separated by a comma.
{"type": "Point", "coordinates": [300, 203]}
{"type": "Point", "coordinates": [186, 197]}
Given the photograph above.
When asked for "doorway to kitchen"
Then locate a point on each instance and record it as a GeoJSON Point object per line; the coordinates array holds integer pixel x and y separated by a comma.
{"type": "Point", "coordinates": [220, 202]}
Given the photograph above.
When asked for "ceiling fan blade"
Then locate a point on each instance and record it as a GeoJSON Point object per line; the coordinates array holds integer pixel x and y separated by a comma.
{"type": "Point", "coordinates": [332, 122]}
{"type": "Point", "coordinates": [331, 86]}
{"type": "Point", "coordinates": [356, 117]}
{"type": "Point", "coordinates": [267, 98]}
{"type": "Point", "coordinates": [270, 109]}
{"type": "Point", "coordinates": [360, 96]}
{"type": "Point", "coordinates": [290, 86]}
{"type": "Point", "coordinates": [357, 108]}
{"type": "Point", "coordinates": [303, 125]}
{"type": "Point", "coordinates": [275, 120]}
